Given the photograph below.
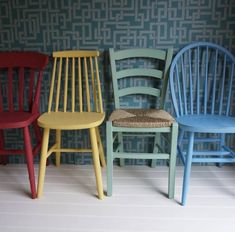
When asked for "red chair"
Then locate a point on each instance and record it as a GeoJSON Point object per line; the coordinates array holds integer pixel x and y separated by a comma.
{"type": "Point", "coordinates": [20, 84]}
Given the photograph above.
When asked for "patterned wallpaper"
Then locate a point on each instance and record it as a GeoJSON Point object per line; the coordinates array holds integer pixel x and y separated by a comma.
{"type": "Point", "coordinates": [49, 25]}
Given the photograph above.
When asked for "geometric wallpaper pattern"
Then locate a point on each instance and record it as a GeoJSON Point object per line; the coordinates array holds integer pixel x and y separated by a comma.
{"type": "Point", "coordinates": [47, 26]}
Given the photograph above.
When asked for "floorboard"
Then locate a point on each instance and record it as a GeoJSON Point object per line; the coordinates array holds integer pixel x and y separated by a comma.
{"type": "Point", "coordinates": [139, 201]}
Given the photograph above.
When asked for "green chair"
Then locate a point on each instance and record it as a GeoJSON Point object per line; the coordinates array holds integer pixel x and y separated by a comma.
{"type": "Point", "coordinates": [140, 76]}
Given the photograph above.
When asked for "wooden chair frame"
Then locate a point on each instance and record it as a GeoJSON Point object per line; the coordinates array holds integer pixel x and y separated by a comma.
{"type": "Point", "coordinates": [23, 76]}
{"type": "Point", "coordinates": [201, 83]}
{"type": "Point", "coordinates": [77, 108]}
{"type": "Point", "coordinates": [115, 133]}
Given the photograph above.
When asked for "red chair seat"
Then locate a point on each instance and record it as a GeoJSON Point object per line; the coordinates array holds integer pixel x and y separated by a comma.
{"type": "Point", "coordinates": [16, 119]}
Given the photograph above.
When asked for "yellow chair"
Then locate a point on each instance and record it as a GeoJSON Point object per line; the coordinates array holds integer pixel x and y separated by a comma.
{"type": "Point", "coordinates": [75, 103]}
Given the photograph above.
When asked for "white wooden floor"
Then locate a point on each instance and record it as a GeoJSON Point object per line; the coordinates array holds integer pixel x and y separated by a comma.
{"type": "Point", "coordinates": [139, 202]}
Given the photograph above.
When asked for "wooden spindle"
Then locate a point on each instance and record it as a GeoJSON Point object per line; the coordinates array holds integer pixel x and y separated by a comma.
{"type": "Point", "coordinates": [184, 84]}
{"type": "Point", "coordinates": [52, 85]}
{"type": "Point", "coordinates": [87, 86]}
{"type": "Point", "coordinates": [21, 89]}
{"type": "Point", "coordinates": [230, 90]}
{"type": "Point", "coordinates": [80, 84]}
{"type": "Point", "coordinates": [206, 82]}
{"type": "Point", "coordinates": [198, 80]}
{"type": "Point", "coordinates": [31, 87]}
{"type": "Point", "coordinates": [214, 82]}
{"type": "Point", "coordinates": [66, 84]}
{"type": "Point", "coordinates": [58, 86]}
{"type": "Point", "coordinates": [93, 85]}
{"type": "Point", "coordinates": [222, 86]}
{"type": "Point", "coordinates": [98, 84]}
{"type": "Point", "coordinates": [179, 91]}
{"type": "Point", "coordinates": [10, 89]}
{"type": "Point", "coordinates": [73, 84]}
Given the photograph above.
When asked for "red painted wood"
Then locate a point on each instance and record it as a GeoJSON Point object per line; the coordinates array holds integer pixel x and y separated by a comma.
{"type": "Point", "coordinates": [37, 94]}
{"type": "Point", "coordinates": [10, 90]}
{"type": "Point", "coordinates": [1, 99]}
{"type": "Point", "coordinates": [29, 159]}
{"type": "Point", "coordinates": [21, 89]}
{"type": "Point", "coordinates": [17, 119]}
{"type": "Point", "coordinates": [31, 84]}
{"type": "Point", "coordinates": [23, 59]}
{"type": "Point", "coordinates": [10, 152]}
{"type": "Point", "coordinates": [4, 158]}
{"type": "Point", "coordinates": [21, 65]}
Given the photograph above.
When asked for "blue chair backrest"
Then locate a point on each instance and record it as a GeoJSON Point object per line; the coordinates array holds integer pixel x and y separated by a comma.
{"type": "Point", "coordinates": [202, 80]}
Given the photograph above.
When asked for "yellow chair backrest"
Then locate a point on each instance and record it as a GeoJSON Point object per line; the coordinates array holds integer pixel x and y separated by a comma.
{"type": "Point", "coordinates": [75, 84]}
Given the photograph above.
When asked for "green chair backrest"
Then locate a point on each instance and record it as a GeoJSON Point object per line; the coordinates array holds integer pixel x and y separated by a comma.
{"type": "Point", "coordinates": [143, 64]}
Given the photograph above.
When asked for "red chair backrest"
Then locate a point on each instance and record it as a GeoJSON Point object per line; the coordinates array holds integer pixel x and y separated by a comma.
{"type": "Point", "coordinates": [20, 80]}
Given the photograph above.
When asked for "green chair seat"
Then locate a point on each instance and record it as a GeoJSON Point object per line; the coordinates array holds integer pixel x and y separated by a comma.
{"type": "Point", "coordinates": [141, 118]}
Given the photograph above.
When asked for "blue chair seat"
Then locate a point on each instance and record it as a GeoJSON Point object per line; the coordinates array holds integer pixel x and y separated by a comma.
{"type": "Point", "coordinates": [207, 123]}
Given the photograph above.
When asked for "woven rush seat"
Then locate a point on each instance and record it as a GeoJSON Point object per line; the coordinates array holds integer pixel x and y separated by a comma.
{"type": "Point", "coordinates": [141, 118]}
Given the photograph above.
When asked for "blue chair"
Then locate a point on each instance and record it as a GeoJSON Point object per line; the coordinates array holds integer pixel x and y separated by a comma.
{"type": "Point", "coordinates": [202, 90]}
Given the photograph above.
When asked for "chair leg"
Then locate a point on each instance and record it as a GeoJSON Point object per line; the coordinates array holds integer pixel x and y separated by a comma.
{"type": "Point", "coordinates": [120, 141]}
{"type": "Point", "coordinates": [173, 155]}
{"type": "Point", "coordinates": [109, 144]}
{"type": "Point", "coordinates": [96, 161]}
{"type": "Point", "coordinates": [155, 149]}
{"type": "Point", "coordinates": [42, 166]}
{"type": "Point", "coordinates": [58, 153]}
{"type": "Point", "coordinates": [181, 136]}
{"type": "Point", "coordinates": [29, 159]}
{"type": "Point", "coordinates": [187, 168]}
{"type": "Point", "coordinates": [37, 132]}
{"type": "Point", "coordinates": [4, 158]}
{"type": "Point", "coordinates": [101, 149]}
{"type": "Point", "coordinates": [222, 143]}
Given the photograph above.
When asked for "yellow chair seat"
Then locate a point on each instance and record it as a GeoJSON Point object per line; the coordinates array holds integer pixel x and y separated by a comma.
{"type": "Point", "coordinates": [70, 120]}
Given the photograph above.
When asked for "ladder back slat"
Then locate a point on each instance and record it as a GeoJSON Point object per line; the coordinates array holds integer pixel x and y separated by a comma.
{"type": "Point", "coordinates": [141, 53]}
{"type": "Point", "coordinates": [140, 72]}
{"type": "Point", "coordinates": [133, 67]}
{"type": "Point", "coordinates": [139, 90]}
